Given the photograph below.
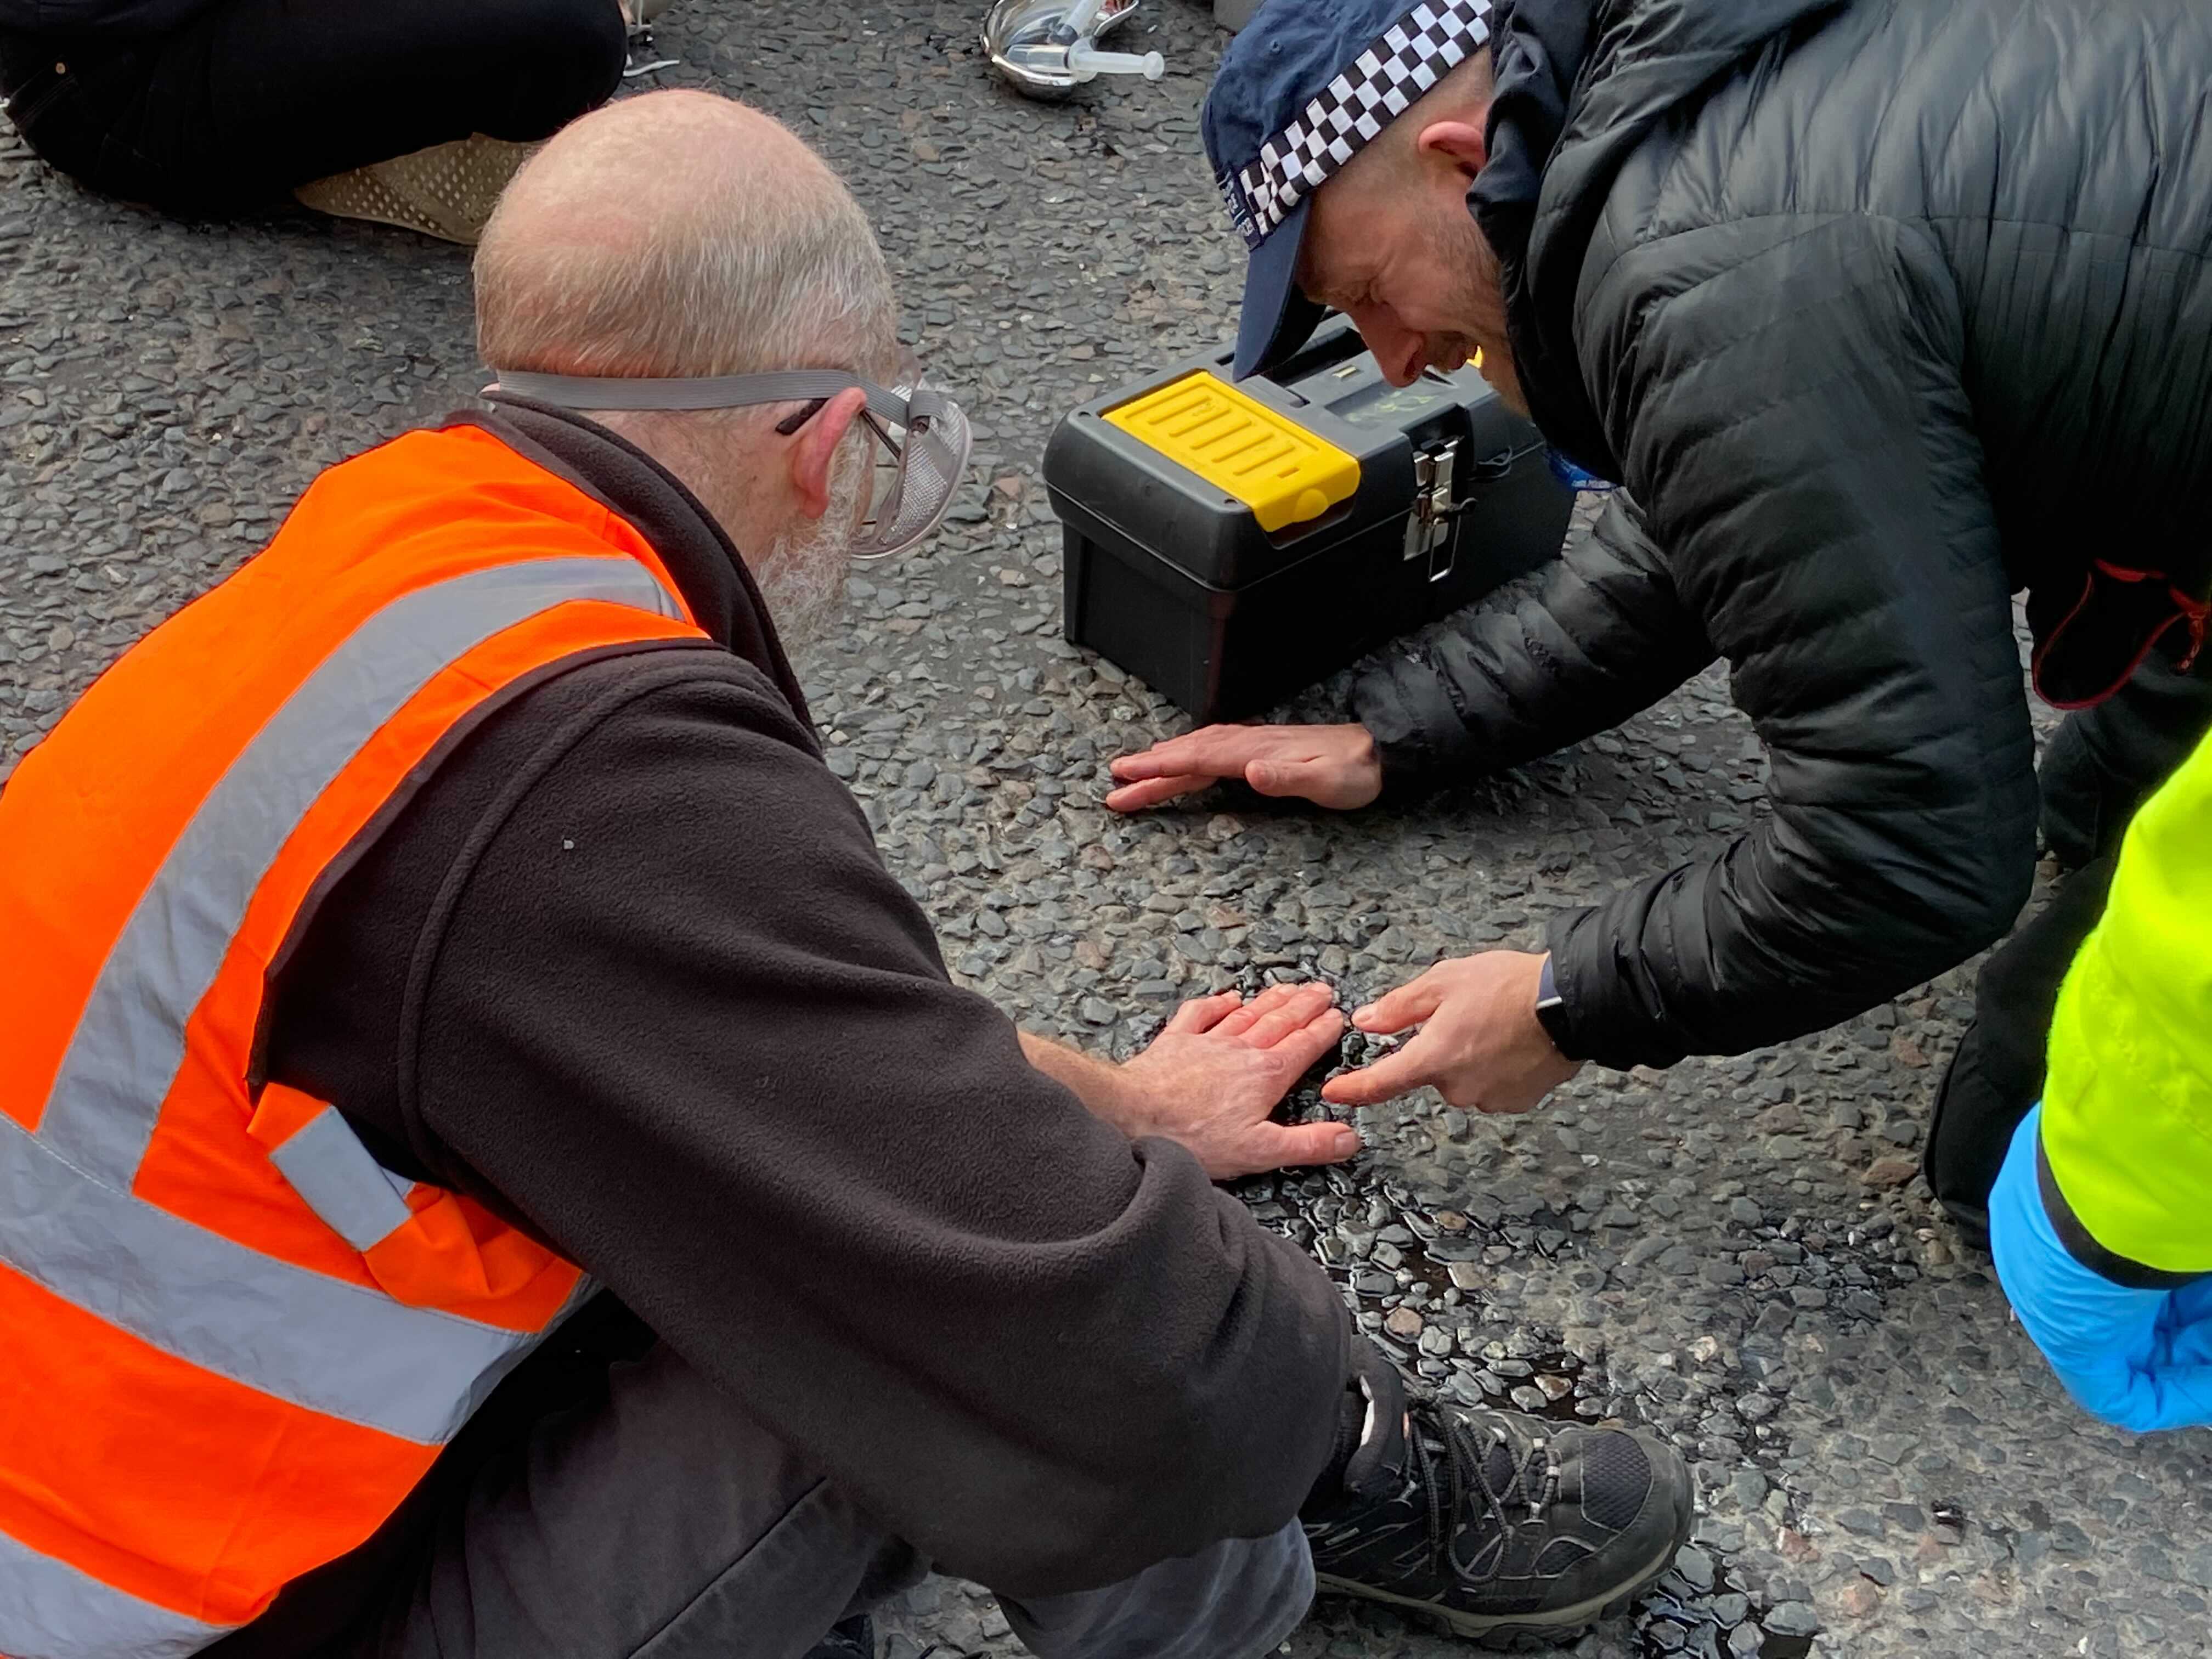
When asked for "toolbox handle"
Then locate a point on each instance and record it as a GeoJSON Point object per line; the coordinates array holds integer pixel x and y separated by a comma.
{"type": "Point", "coordinates": [1324, 353]}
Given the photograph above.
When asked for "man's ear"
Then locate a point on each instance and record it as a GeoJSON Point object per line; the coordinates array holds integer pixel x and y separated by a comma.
{"type": "Point", "coordinates": [814, 450]}
{"type": "Point", "coordinates": [1459, 142]}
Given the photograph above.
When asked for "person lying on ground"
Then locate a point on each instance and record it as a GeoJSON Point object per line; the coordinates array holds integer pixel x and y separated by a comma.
{"type": "Point", "coordinates": [452, 914]}
{"type": "Point", "coordinates": [412, 112]}
{"type": "Point", "coordinates": [2101, 1219]}
{"type": "Point", "coordinates": [1882, 314]}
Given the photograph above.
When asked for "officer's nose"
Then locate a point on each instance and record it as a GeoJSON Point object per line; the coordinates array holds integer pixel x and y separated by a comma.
{"type": "Point", "coordinates": [1399, 351]}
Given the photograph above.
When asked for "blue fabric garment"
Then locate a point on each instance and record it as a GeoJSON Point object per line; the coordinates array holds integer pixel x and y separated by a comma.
{"type": "Point", "coordinates": [2139, 1359]}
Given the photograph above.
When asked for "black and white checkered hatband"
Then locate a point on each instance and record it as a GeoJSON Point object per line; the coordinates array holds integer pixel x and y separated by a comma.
{"type": "Point", "coordinates": [1368, 93]}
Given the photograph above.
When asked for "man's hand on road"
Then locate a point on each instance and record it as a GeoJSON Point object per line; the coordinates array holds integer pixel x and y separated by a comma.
{"type": "Point", "coordinates": [1333, 766]}
{"type": "Point", "coordinates": [1211, 1079]}
{"type": "Point", "coordinates": [1481, 1042]}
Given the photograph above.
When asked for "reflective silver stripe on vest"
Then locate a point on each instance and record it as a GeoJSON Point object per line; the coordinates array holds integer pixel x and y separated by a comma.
{"type": "Point", "coordinates": [327, 1166]}
{"type": "Point", "coordinates": [130, 1040]}
{"type": "Point", "coordinates": [342, 1349]}
{"type": "Point", "coordinates": [68, 1220]}
{"type": "Point", "coordinates": [48, 1610]}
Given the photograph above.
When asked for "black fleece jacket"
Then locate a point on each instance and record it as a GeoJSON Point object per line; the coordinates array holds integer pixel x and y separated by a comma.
{"type": "Point", "coordinates": [630, 968]}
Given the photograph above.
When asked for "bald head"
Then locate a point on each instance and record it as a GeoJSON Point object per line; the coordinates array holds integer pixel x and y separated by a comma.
{"type": "Point", "coordinates": [681, 233]}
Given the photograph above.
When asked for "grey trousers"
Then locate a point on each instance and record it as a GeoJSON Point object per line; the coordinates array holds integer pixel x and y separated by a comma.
{"type": "Point", "coordinates": [658, 1521]}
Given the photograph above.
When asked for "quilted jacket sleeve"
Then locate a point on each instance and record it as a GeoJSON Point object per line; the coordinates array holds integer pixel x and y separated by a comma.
{"type": "Point", "coordinates": [1787, 406]}
{"type": "Point", "coordinates": [1603, 636]}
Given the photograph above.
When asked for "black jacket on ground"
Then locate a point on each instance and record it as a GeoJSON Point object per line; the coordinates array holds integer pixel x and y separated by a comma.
{"type": "Point", "coordinates": [630, 968]}
{"type": "Point", "coordinates": [1883, 311]}
{"type": "Point", "coordinates": [105, 20]}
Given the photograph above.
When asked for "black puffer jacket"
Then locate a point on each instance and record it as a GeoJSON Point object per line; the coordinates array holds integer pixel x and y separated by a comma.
{"type": "Point", "coordinates": [1882, 311]}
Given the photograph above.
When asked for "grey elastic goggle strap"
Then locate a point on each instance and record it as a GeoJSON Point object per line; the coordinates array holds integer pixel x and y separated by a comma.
{"type": "Point", "coordinates": [586, 392]}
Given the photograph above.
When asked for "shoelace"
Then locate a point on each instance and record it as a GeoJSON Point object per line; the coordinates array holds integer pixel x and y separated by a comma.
{"type": "Point", "coordinates": [1466, 1459]}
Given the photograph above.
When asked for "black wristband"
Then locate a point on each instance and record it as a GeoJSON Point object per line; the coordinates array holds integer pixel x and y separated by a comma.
{"type": "Point", "coordinates": [1552, 1010]}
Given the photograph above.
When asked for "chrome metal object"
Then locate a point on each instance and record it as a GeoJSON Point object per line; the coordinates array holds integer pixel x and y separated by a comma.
{"type": "Point", "coordinates": [643, 55]}
{"type": "Point", "coordinates": [1429, 525]}
{"type": "Point", "coordinates": [1047, 48]}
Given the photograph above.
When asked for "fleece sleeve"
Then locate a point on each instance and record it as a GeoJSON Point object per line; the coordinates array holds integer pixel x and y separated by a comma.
{"type": "Point", "coordinates": [684, 1021]}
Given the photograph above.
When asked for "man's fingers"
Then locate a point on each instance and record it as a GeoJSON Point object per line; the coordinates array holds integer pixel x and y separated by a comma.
{"type": "Point", "coordinates": [1136, 797]}
{"type": "Point", "coordinates": [1242, 1021]}
{"type": "Point", "coordinates": [1386, 1080]}
{"type": "Point", "coordinates": [1300, 1049]}
{"type": "Point", "coordinates": [1209, 750]}
{"type": "Point", "coordinates": [1409, 1005]}
{"type": "Point", "coordinates": [1291, 1015]}
{"type": "Point", "coordinates": [1158, 761]}
{"type": "Point", "coordinates": [1205, 1013]}
{"type": "Point", "coordinates": [1286, 1145]}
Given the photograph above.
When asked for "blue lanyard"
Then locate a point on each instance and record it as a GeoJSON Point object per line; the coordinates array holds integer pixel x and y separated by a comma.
{"type": "Point", "coordinates": [1574, 477]}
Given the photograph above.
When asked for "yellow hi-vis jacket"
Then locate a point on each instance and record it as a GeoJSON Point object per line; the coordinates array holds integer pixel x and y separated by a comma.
{"type": "Point", "coordinates": [2127, 1109]}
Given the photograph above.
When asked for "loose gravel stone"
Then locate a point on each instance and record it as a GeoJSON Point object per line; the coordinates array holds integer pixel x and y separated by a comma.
{"type": "Point", "coordinates": [1792, 1619]}
{"type": "Point", "coordinates": [1695, 1568]}
{"type": "Point", "coordinates": [1859, 1599]}
{"type": "Point", "coordinates": [1891, 1171]}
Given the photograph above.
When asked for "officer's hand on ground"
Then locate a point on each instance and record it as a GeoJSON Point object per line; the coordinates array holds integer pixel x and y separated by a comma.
{"type": "Point", "coordinates": [1481, 1042]}
{"type": "Point", "coordinates": [1210, 1079]}
{"type": "Point", "coordinates": [1333, 766]}
{"type": "Point", "coordinates": [2139, 1359]}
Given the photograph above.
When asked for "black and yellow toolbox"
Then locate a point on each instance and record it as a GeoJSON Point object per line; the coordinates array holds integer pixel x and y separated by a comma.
{"type": "Point", "coordinates": [1230, 543]}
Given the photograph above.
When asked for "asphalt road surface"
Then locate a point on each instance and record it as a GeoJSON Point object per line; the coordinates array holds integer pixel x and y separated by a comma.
{"type": "Point", "coordinates": [1733, 1253]}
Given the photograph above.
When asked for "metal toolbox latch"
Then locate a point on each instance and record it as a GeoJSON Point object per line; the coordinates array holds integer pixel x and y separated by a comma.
{"type": "Point", "coordinates": [1429, 527]}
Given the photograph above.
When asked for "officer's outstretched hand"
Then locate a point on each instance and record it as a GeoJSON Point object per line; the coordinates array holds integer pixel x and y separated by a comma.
{"type": "Point", "coordinates": [1480, 1043]}
{"type": "Point", "coordinates": [1333, 766]}
{"type": "Point", "coordinates": [2139, 1359]}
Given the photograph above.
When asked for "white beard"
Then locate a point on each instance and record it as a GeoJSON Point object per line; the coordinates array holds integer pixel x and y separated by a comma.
{"type": "Point", "coordinates": [801, 577]}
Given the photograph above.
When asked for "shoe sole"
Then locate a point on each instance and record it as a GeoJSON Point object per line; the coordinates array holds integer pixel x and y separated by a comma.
{"type": "Point", "coordinates": [447, 192]}
{"type": "Point", "coordinates": [1500, 1629]}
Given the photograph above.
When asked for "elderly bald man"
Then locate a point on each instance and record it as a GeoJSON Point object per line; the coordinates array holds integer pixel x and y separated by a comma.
{"type": "Point", "coordinates": [452, 913]}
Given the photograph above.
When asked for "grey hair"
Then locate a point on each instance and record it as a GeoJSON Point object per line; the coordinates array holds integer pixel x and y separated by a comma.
{"type": "Point", "coordinates": [740, 270]}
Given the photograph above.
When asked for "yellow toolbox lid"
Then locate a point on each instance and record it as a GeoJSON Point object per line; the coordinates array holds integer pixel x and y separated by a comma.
{"type": "Point", "coordinates": [1274, 466]}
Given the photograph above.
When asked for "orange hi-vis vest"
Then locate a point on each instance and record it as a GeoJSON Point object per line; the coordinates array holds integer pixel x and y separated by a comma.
{"type": "Point", "coordinates": [233, 1341]}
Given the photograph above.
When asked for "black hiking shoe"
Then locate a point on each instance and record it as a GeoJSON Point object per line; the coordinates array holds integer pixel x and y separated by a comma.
{"type": "Point", "coordinates": [855, 1638]}
{"type": "Point", "coordinates": [1500, 1525]}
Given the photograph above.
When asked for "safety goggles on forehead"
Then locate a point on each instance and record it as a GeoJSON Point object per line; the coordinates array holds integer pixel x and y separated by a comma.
{"type": "Point", "coordinates": [922, 437]}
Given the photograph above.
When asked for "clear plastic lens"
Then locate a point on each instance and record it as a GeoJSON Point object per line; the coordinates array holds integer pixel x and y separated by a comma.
{"type": "Point", "coordinates": [918, 439]}
{"type": "Point", "coordinates": [918, 470]}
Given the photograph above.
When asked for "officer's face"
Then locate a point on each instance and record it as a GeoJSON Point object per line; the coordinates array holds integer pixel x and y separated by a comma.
{"type": "Point", "coordinates": [1414, 272]}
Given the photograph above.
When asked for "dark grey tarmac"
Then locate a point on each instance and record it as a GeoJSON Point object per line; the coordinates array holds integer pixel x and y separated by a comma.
{"type": "Point", "coordinates": [1735, 1253]}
